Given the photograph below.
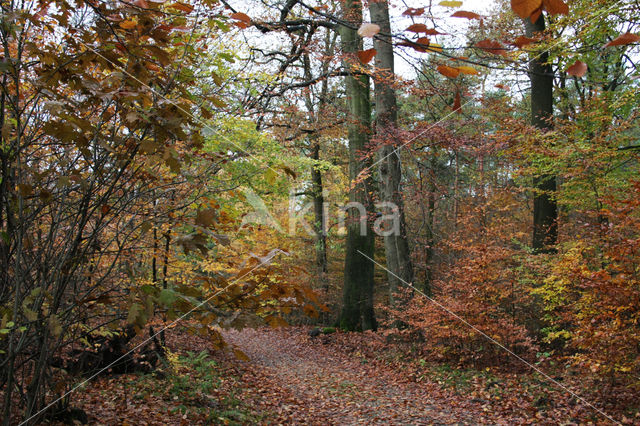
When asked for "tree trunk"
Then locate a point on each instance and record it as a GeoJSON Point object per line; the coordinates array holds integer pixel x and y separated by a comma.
{"type": "Point", "coordinates": [319, 218]}
{"type": "Point", "coordinates": [357, 309]}
{"type": "Point", "coordinates": [545, 209]}
{"type": "Point", "coordinates": [398, 255]}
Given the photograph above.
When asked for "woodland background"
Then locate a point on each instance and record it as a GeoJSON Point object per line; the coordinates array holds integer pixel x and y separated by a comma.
{"type": "Point", "coordinates": [138, 137]}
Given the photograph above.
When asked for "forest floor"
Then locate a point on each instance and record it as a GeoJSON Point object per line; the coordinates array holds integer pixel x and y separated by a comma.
{"type": "Point", "coordinates": [340, 378]}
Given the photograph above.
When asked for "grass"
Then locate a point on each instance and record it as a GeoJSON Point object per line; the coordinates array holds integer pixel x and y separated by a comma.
{"type": "Point", "coordinates": [195, 387]}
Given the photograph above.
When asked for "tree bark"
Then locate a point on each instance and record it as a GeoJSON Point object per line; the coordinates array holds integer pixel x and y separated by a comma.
{"type": "Point", "coordinates": [398, 255]}
{"type": "Point", "coordinates": [357, 308]}
{"type": "Point", "coordinates": [545, 209]}
{"type": "Point", "coordinates": [319, 217]}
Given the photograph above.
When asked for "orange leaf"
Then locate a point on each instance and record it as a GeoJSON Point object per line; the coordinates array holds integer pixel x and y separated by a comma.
{"type": "Point", "coordinates": [556, 7]}
{"type": "Point", "coordinates": [578, 69]}
{"type": "Point", "coordinates": [183, 7]}
{"type": "Point", "coordinates": [467, 15]}
{"type": "Point", "coordinates": [366, 56]}
{"type": "Point", "coordinates": [492, 46]}
{"type": "Point", "coordinates": [468, 70]}
{"type": "Point", "coordinates": [417, 28]}
{"type": "Point", "coordinates": [242, 17]}
{"type": "Point", "coordinates": [448, 71]}
{"type": "Point", "coordinates": [623, 40]}
{"type": "Point", "coordinates": [128, 25]}
{"type": "Point", "coordinates": [536, 14]}
{"type": "Point", "coordinates": [523, 41]}
{"type": "Point", "coordinates": [525, 8]}
{"type": "Point", "coordinates": [503, 87]}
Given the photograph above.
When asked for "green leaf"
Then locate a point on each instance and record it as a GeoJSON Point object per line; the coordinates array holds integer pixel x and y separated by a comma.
{"type": "Point", "coordinates": [167, 297]}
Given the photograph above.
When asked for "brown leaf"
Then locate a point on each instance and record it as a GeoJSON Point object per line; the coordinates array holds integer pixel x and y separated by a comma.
{"type": "Point", "coordinates": [448, 71]}
{"type": "Point", "coordinates": [556, 7]}
{"type": "Point", "coordinates": [242, 17]}
{"type": "Point", "coordinates": [457, 104]}
{"type": "Point", "coordinates": [523, 41]}
{"type": "Point", "coordinates": [536, 14]}
{"type": "Point", "coordinates": [183, 7]}
{"type": "Point", "coordinates": [525, 8]}
{"type": "Point", "coordinates": [467, 15]}
{"type": "Point", "coordinates": [623, 40]}
{"type": "Point", "coordinates": [206, 217]}
{"type": "Point", "coordinates": [417, 28]}
{"type": "Point", "coordinates": [492, 46]}
{"type": "Point", "coordinates": [578, 69]}
{"type": "Point", "coordinates": [366, 56]}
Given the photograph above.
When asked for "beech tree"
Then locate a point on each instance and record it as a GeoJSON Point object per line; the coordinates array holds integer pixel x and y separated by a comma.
{"type": "Point", "coordinates": [357, 304]}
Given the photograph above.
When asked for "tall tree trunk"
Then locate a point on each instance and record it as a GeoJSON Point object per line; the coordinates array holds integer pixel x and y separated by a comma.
{"type": "Point", "coordinates": [319, 225]}
{"type": "Point", "coordinates": [320, 218]}
{"type": "Point", "coordinates": [545, 209]}
{"type": "Point", "coordinates": [357, 308]}
{"type": "Point", "coordinates": [397, 251]}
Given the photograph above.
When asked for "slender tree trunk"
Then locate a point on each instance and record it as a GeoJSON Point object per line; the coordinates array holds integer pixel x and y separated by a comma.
{"type": "Point", "coordinates": [545, 209]}
{"type": "Point", "coordinates": [319, 218]}
{"type": "Point", "coordinates": [319, 225]}
{"type": "Point", "coordinates": [357, 309]}
{"type": "Point", "coordinates": [398, 255]}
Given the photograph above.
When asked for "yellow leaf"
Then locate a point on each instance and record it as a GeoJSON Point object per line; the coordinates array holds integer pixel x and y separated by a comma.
{"type": "Point", "coordinates": [468, 70]}
{"type": "Point", "coordinates": [435, 47]}
{"type": "Point", "coordinates": [448, 3]}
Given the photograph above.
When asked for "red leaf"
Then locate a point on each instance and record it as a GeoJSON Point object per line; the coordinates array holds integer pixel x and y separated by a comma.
{"type": "Point", "coordinates": [433, 32]}
{"type": "Point", "coordinates": [467, 15]}
{"type": "Point", "coordinates": [578, 69]}
{"type": "Point", "coordinates": [366, 56]}
{"type": "Point", "coordinates": [492, 46]}
{"type": "Point", "coordinates": [417, 28]}
{"type": "Point", "coordinates": [623, 40]}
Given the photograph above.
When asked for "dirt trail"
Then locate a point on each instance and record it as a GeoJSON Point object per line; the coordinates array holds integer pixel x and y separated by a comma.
{"type": "Point", "coordinates": [314, 381]}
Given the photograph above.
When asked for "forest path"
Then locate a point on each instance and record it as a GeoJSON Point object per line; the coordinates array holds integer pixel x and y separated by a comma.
{"type": "Point", "coordinates": [317, 381]}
